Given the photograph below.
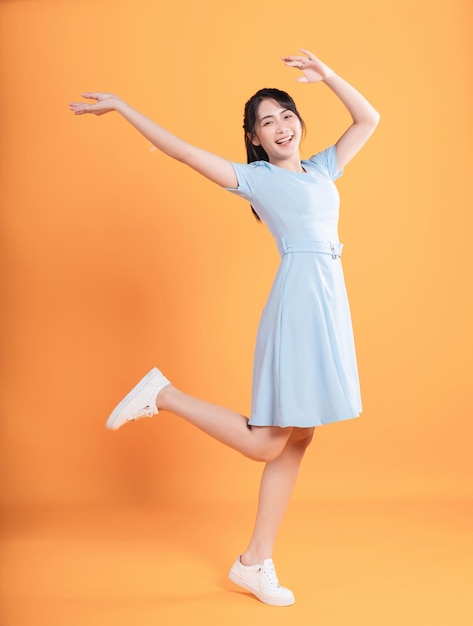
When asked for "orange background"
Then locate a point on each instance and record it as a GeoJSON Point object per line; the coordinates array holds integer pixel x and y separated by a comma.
{"type": "Point", "coordinates": [116, 258]}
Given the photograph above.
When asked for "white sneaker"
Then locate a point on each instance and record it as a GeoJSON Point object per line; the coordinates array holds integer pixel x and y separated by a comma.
{"type": "Point", "coordinates": [140, 402]}
{"type": "Point", "coordinates": [262, 581]}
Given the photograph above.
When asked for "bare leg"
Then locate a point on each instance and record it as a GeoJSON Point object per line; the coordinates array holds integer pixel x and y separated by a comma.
{"type": "Point", "coordinates": [258, 443]}
{"type": "Point", "coordinates": [277, 484]}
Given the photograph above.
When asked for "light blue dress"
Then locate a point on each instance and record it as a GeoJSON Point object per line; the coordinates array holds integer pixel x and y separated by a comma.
{"type": "Point", "coordinates": [305, 372]}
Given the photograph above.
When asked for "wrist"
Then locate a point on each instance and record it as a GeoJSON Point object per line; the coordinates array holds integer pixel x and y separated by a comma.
{"type": "Point", "coordinates": [119, 105]}
{"type": "Point", "coordinates": [329, 76]}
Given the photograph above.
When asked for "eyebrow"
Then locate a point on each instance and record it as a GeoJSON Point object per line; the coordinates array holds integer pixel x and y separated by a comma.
{"type": "Point", "coordinates": [266, 116]}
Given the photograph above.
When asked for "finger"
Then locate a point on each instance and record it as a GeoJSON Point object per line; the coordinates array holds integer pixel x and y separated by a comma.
{"type": "Point", "coordinates": [294, 57]}
{"type": "Point", "coordinates": [294, 63]}
{"type": "Point", "coordinates": [93, 95]}
{"type": "Point", "coordinates": [308, 53]}
{"type": "Point", "coordinates": [81, 107]}
{"type": "Point", "coordinates": [299, 65]}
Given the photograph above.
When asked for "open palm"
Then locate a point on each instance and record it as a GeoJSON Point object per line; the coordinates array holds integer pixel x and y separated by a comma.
{"type": "Point", "coordinates": [105, 102]}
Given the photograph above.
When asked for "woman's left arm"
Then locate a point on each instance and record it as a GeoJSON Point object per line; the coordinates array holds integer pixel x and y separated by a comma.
{"type": "Point", "coordinates": [364, 115]}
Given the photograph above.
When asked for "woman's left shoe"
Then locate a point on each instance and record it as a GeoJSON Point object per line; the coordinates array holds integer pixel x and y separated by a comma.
{"type": "Point", "coordinates": [140, 402]}
{"type": "Point", "coordinates": [262, 581]}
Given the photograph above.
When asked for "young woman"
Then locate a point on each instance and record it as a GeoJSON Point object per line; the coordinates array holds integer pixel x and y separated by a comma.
{"type": "Point", "coordinates": [305, 372]}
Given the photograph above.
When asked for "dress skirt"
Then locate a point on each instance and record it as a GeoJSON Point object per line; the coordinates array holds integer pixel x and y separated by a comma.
{"type": "Point", "coordinates": [305, 372]}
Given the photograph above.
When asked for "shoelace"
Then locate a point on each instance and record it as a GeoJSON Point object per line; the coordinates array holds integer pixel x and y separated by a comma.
{"type": "Point", "coordinates": [268, 571]}
{"type": "Point", "coordinates": [146, 411]}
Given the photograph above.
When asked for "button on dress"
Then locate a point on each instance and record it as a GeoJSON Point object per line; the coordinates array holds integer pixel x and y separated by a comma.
{"type": "Point", "coordinates": [305, 372]}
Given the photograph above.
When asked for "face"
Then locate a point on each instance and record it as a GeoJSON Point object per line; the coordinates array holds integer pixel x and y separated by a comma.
{"type": "Point", "coordinates": [278, 131]}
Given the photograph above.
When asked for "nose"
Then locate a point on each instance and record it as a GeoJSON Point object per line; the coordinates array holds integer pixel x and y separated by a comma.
{"type": "Point", "coordinates": [282, 126]}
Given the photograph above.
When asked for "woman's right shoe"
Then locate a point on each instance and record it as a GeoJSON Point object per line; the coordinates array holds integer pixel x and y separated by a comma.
{"type": "Point", "coordinates": [140, 402]}
{"type": "Point", "coordinates": [262, 581]}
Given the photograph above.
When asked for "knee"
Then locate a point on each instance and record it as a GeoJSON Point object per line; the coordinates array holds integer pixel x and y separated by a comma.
{"type": "Point", "coordinates": [301, 439]}
{"type": "Point", "coordinates": [268, 453]}
{"type": "Point", "coordinates": [296, 440]}
{"type": "Point", "coordinates": [270, 449]}
{"type": "Point", "coordinates": [307, 439]}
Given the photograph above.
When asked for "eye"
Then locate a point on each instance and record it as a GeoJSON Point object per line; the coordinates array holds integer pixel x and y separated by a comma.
{"type": "Point", "coordinates": [288, 115]}
{"type": "Point", "coordinates": [267, 123]}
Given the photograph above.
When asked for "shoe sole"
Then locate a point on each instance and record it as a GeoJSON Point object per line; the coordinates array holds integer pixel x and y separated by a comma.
{"type": "Point", "coordinates": [128, 398]}
{"type": "Point", "coordinates": [266, 599]}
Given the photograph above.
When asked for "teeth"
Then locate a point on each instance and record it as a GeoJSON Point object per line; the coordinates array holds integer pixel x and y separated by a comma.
{"type": "Point", "coordinates": [285, 140]}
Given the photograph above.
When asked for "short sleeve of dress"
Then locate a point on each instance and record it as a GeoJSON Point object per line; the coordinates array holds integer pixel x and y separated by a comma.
{"type": "Point", "coordinates": [246, 176]}
{"type": "Point", "coordinates": [325, 163]}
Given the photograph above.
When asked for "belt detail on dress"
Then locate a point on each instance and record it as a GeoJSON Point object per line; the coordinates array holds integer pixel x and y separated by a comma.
{"type": "Point", "coordinates": [289, 246]}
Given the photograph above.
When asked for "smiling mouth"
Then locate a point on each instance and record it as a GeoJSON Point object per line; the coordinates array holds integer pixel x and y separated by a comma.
{"type": "Point", "coordinates": [284, 140]}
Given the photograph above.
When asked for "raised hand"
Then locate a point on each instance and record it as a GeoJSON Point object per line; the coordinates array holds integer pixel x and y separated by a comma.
{"type": "Point", "coordinates": [312, 68]}
{"type": "Point", "coordinates": [105, 102]}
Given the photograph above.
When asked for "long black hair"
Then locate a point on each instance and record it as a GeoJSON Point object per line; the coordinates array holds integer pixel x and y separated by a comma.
{"type": "Point", "coordinates": [257, 153]}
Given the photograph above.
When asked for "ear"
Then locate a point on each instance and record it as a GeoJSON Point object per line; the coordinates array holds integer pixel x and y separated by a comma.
{"type": "Point", "coordinates": [254, 139]}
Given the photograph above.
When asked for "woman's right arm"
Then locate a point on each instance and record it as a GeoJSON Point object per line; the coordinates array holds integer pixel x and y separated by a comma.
{"type": "Point", "coordinates": [213, 167]}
